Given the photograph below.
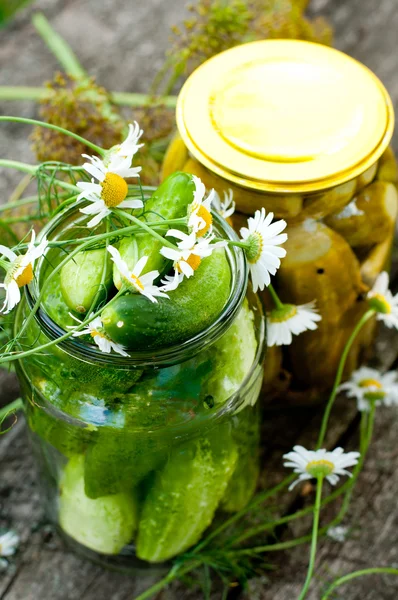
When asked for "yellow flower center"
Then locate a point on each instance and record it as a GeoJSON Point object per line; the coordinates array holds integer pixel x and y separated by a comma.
{"type": "Point", "coordinates": [193, 261]}
{"type": "Point", "coordinates": [114, 190]}
{"type": "Point", "coordinates": [204, 214]}
{"type": "Point", "coordinates": [379, 303]}
{"type": "Point", "coordinates": [370, 383]}
{"type": "Point", "coordinates": [95, 332]}
{"type": "Point", "coordinates": [279, 315]}
{"type": "Point", "coordinates": [137, 282]}
{"type": "Point", "coordinates": [25, 277]}
{"type": "Point", "coordinates": [320, 467]}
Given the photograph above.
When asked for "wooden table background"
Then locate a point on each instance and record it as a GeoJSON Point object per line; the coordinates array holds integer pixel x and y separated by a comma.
{"type": "Point", "coordinates": [122, 43]}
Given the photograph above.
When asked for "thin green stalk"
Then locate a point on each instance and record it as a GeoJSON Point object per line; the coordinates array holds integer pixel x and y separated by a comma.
{"type": "Point", "coordinates": [64, 337]}
{"type": "Point", "coordinates": [32, 170]}
{"type": "Point", "coordinates": [339, 375]}
{"type": "Point", "coordinates": [355, 574]}
{"type": "Point", "coordinates": [315, 527]}
{"type": "Point", "coordinates": [23, 202]}
{"type": "Point", "coordinates": [10, 408]}
{"type": "Point", "coordinates": [175, 572]}
{"type": "Point", "coordinates": [259, 499]}
{"type": "Point", "coordinates": [120, 98]}
{"type": "Point", "coordinates": [275, 296]}
{"type": "Point", "coordinates": [61, 50]}
{"type": "Point", "coordinates": [94, 147]}
{"type": "Point", "coordinates": [146, 227]}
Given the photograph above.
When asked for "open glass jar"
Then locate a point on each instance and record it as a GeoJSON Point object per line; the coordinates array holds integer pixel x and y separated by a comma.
{"type": "Point", "coordinates": [301, 130]}
{"type": "Point", "coordinates": [138, 453]}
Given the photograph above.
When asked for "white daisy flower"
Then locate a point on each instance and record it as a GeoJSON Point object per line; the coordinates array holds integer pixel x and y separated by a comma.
{"type": "Point", "coordinates": [110, 173]}
{"type": "Point", "coordinates": [264, 253]}
{"type": "Point", "coordinates": [8, 543]}
{"type": "Point", "coordinates": [200, 220]}
{"type": "Point", "coordinates": [133, 278]}
{"type": "Point", "coordinates": [187, 258]}
{"type": "Point", "coordinates": [96, 329]}
{"type": "Point", "coordinates": [171, 282]}
{"type": "Point", "coordinates": [381, 300]}
{"type": "Point", "coordinates": [284, 323]}
{"type": "Point", "coordinates": [310, 464]}
{"type": "Point", "coordinates": [368, 385]}
{"type": "Point", "coordinates": [19, 270]}
{"type": "Point", "coordinates": [227, 207]}
{"type": "Point", "coordinates": [127, 149]}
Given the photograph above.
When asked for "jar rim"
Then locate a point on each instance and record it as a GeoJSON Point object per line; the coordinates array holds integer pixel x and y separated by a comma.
{"type": "Point", "coordinates": [144, 358]}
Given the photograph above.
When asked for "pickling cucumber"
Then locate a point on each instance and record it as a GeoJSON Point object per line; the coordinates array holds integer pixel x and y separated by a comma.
{"type": "Point", "coordinates": [82, 277]}
{"type": "Point", "coordinates": [135, 322]}
{"type": "Point", "coordinates": [243, 483]}
{"type": "Point", "coordinates": [170, 201]}
{"type": "Point", "coordinates": [185, 494]}
{"type": "Point", "coordinates": [104, 525]}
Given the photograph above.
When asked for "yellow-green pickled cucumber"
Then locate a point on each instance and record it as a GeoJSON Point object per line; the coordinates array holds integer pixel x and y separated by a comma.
{"type": "Point", "coordinates": [367, 177]}
{"type": "Point", "coordinates": [388, 169]}
{"type": "Point", "coordinates": [232, 357]}
{"type": "Point", "coordinates": [175, 157]}
{"type": "Point", "coordinates": [170, 201]}
{"type": "Point", "coordinates": [81, 279]}
{"type": "Point", "coordinates": [184, 495]}
{"type": "Point", "coordinates": [377, 260]}
{"type": "Point", "coordinates": [331, 201]}
{"type": "Point", "coordinates": [243, 483]}
{"type": "Point", "coordinates": [135, 322]}
{"type": "Point", "coordinates": [105, 525]}
{"type": "Point", "coordinates": [320, 265]}
{"type": "Point", "coordinates": [370, 217]}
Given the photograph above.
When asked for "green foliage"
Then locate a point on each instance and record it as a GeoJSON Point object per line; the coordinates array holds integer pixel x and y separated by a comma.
{"type": "Point", "coordinates": [8, 8]}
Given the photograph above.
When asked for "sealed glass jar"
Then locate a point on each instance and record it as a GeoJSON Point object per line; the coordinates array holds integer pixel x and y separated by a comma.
{"type": "Point", "coordinates": [302, 130]}
{"type": "Point", "coordinates": [138, 452]}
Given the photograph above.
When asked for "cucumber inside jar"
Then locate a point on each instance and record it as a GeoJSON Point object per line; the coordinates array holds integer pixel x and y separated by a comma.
{"type": "Point", "coordinates": [139, 448]}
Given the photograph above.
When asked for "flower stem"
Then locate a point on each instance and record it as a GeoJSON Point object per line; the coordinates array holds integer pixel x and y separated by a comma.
{"type": "Point", "coordinates": [339, 375]}
{"type": "Point", "coordinates": [174, 572]}
{"type": "Point", "coordinates": [11, 407]}
{"type": "Point", "coordinates": [94, 147]}
{"type": "Point", "coordinates": [120, 98]}
{"type": "Point", "coordinates": [355, 574]}
{"type": "Point", "coordinates": [275, 296]}
{"type": "Point", "coordinates": [315, 526]}
{"type": "Point", "coordinates": [62, 338]}
{"type": "Point", "coordinates": [146, 227]}
{"type": "Point", "coordinates": [32, 170]}
{"type": "Point", "coordinates": [61, 50]}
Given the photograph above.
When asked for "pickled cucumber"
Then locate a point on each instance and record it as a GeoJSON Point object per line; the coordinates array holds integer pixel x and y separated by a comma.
{"type": "Point", "coordinates": [184, 495]}
{"type": "Point", "coordinates": [170, 201]}
{"type": "Point", "coordinates": [232, 357]}
{"type": "Point", "coordinates": [388, 169]}
{"type": "Point", "coordinates": [370, 218]}
{"type": "Point", "coordinates": [81, 279]}
{"type": "Point", "coordinates": [104, 525]}
{"type": "Point", "coordinates": [243, 483]}
{"type": "Point", "coordinates": [136, 323]}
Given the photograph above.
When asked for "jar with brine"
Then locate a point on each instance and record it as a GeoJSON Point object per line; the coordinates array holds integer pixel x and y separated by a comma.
{"type": "Point", "coordinates": [303, 131]}
{"type": "Point", "coordinates": [139, 449]}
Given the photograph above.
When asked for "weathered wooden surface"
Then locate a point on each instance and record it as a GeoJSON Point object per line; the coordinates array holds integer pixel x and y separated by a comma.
{"type": "Point", "coordinates": [122, 43]}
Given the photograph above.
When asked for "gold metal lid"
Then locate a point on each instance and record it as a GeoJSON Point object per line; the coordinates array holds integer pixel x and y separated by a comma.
{"type": "Point", "coordinates": [285, 116]}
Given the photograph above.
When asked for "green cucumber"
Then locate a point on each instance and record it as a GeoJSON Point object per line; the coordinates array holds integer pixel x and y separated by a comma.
{"type": "Point", "coordinates": [82, 276]}
{"type": "Point", "coordinates": [243, 483]}
{"type": "Point", "coordinates": [135, 322]}
{"type": "Point", "coordinates": [170, 201]}
{"type": "Point", "coordinates": [232, 357]}
{"type": "Point", "coordinates": [105, 525]}
{"type": "Point", "coordinates": [119, 460]}
{"type": "Point", "coordinates": [185, 494]}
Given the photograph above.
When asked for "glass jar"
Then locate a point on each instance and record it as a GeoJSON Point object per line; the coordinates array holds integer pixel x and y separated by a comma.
{"type": "Point", "coordinates": [137, 453]}
{"type": "Point", "coordinates": [301, 130]}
